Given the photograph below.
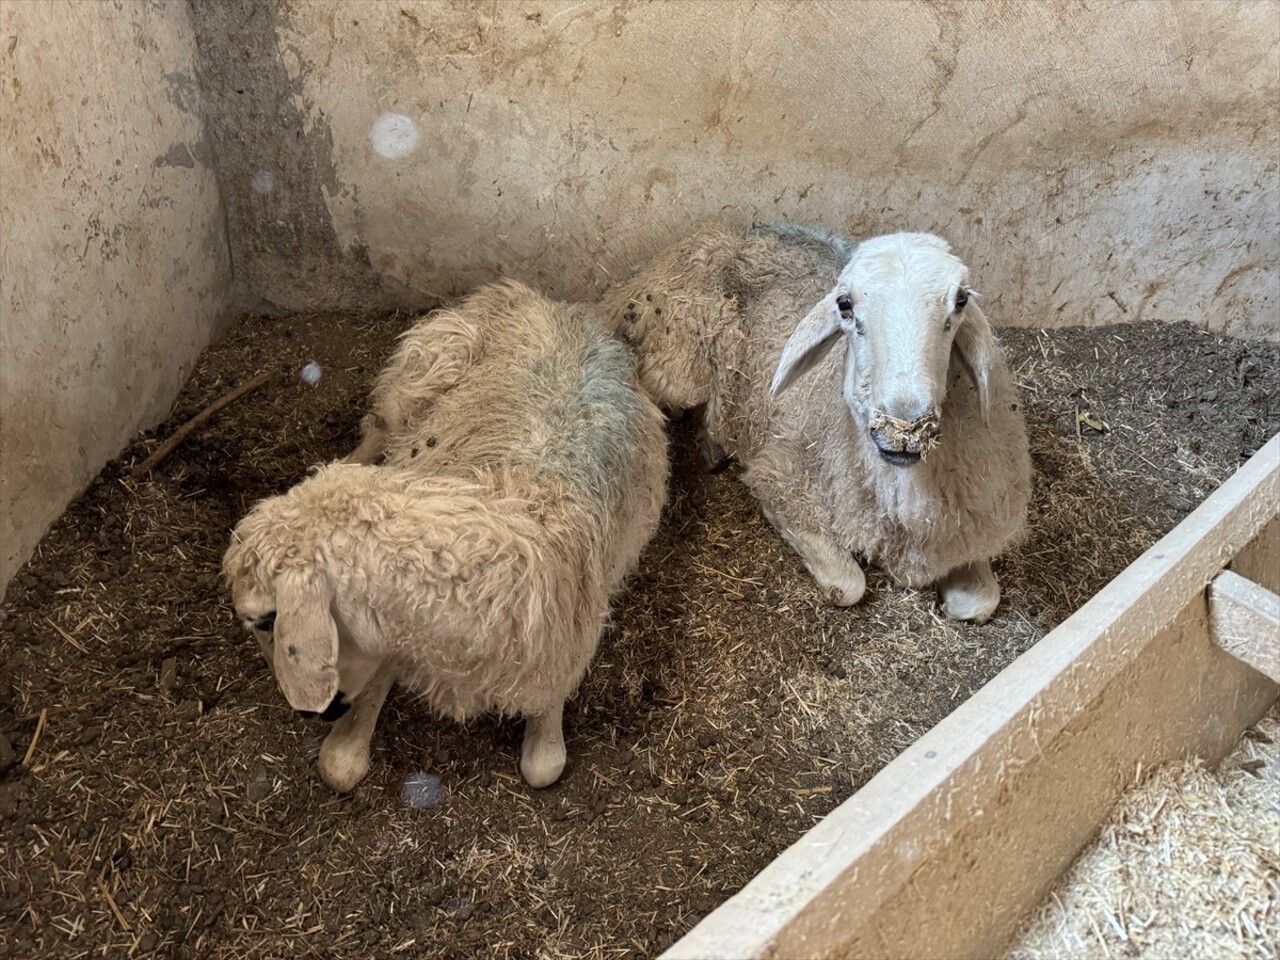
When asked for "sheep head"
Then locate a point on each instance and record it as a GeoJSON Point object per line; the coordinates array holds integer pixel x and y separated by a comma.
{"type": "Point", "coordinates": [905, 309]}
{"type": "Point", "coordinates": [287, 601]}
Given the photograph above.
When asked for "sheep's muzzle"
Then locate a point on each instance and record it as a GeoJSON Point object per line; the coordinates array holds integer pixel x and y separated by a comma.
{"type": "Point", "coordinates": [905, 442]}
{"type": "Point", "coordinates": [336, 709]}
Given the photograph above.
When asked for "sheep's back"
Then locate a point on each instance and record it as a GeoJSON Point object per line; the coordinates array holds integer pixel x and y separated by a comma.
{"type": "Point", "coordinates": [549, 418]}
{"type": "Point", "coordinates": [554, 393]}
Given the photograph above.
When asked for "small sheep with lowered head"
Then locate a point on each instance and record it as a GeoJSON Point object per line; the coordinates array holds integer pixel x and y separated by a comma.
{"type": "Point", "coordinates": [475, 567]}
{"type": "Point", "coordinates": [861, 389]}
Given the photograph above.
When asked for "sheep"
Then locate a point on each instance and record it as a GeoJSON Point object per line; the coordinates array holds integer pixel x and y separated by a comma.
{"type": "Point", "coordinates": [524, 471]}
{"type": "Point", "coordinates": [922, 470]}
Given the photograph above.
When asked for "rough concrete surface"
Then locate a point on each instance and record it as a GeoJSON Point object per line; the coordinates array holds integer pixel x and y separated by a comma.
{"type": "Point", "coordinates": [274, 169]}
{"type": "Point", "coordinates": [115, 267]}
{"type": "Point", "coordinates": [1095, 163]}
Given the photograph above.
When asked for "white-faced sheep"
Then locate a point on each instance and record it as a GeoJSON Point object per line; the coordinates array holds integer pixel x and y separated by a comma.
{"type": "Point", "coordinates": [904, 444]}
{"type": "Point", "coordinates": [525, 471]}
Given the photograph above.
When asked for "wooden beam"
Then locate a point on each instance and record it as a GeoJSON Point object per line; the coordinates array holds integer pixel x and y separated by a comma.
{"type": "Point", "coordinates": [1245, 620]}
{"type": "Point", "coordinates": [1260, 560]}
{"type": "Point", "coordinates": [949, 847]}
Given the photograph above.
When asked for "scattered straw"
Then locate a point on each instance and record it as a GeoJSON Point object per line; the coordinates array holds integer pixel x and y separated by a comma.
{"type": "Point", "coordinates": [1187, 866]}
{"type": "Point", "coordinates": [67, 637]}
{"type": "Point", "coordinates": [111, 902]}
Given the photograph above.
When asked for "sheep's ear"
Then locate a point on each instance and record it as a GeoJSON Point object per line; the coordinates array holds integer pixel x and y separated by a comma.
{"type": "Point", "coordinates": [306, 640]}
{"type": "Point", "coordinates": [811, 339]}
{"type": "Point", "coordinates": [975, 344]}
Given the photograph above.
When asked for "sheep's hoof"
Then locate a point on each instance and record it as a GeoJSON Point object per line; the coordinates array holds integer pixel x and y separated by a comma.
{"type": "Point", "coordinates": [970, 593]}
{"type": "Point", "coordinates": [849, 595]}
{"type": "Point", "coordinates": [844, 583]}
{"type": "Point", "coordinates": [542, 766]}
{"type": "Point", "coordinates": [833, 568]}
{"type": "Point", "coordinates": [343, 764]}
{"type": "Point", "coordinates": [542, 754]}
{"type": "Point", "coordinates": [713, 457]}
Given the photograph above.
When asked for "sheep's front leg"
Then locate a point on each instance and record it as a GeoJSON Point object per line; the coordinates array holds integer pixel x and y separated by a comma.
{"type": "Point", "coordinates": [833, 567]}
{"type": "Point", "coordinates": [712, 455]}
{"type": "Point", "coordinates": [970, 592]}
{"type": "Point", "coordinates": [344, 755]}
{"type": "Point", "coordinates": [373, 440]}
{"type": "Point", "coordinates": [542, 755]}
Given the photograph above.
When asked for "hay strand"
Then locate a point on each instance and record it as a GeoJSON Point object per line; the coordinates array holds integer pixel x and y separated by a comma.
{"type": "Point", "coordinates": [35, 737]}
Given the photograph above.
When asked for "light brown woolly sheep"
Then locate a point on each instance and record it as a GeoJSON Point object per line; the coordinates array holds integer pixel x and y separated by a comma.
{"type": "Point", "coordinates": [525, 471]}
{"type": "Point", "coordinates": [904, 444]}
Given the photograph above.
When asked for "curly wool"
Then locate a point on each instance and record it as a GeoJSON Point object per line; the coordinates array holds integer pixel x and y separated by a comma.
{"type": "Point", "coordinates": [525, 471]}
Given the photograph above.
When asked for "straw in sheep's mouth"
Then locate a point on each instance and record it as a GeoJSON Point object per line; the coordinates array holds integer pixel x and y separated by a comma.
{"type": "Point", "coordinates": [904, 442]}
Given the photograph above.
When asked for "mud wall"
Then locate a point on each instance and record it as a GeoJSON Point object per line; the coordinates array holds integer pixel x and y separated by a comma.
{"type": "Point", "coordinates": [114, 266]}
{"type": "Point", "coordinates": [1095, 162]}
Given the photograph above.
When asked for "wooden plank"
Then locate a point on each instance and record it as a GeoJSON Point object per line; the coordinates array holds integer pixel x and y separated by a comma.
{"type": "Point", "coordinates": [1245, 621]}
{"type": "Point", "coordinates": [1260, 560]}
{"type": "Point", "coordinates": [946, 850]}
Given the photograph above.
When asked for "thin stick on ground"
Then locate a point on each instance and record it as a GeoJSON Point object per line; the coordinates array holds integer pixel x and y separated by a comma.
{"type": "Point", "coordinates": [35, 738]}
{"type": "Point", "coordinates": [194, 423]}
{"type": "Point", "coordinates": [68, 637]}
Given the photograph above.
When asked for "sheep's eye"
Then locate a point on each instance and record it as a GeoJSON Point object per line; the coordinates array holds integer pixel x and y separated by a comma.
{"type": "Point", "coordinates": [266, 622]}
{"type": "Point", "coordinates": [845, 305]}
{"type": "Point", "coordinates": [961, 299]}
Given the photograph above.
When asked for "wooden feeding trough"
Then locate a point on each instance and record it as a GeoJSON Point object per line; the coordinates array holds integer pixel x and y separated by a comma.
{"type": "Point", "coordinates": [947, 850]}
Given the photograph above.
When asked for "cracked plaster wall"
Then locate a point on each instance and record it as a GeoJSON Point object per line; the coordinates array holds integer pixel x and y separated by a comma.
{"type": "Point", "coordinates": [1094, 162]}
{"type": "Point", "coordinates": [114, 267]}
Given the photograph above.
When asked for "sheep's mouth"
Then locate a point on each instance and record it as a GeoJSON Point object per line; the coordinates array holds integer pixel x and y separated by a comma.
{"type": "Point", "coordinates": [336, 709]}
{"type": "Point", "coordinates": [904, 443]}
{"type": "Point", "coordinates": [900, 454]}
{"type": "Point", "coordinates": [899, 458]}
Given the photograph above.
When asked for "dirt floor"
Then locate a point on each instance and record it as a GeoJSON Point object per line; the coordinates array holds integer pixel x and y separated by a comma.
{"type": "Point", "coordinates": [1187, 866]}
{"type": "Point", "coordinates": [158, 796]}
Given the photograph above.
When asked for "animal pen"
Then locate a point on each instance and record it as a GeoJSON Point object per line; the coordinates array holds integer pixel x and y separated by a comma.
{"type": "Point", "coordinates": [206, 200]}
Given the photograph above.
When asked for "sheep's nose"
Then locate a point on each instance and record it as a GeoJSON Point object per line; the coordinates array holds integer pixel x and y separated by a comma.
{"type": "Point", "coordinates": [904, 442]}
{"type": "Point", "coordinates": [907, 407]}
